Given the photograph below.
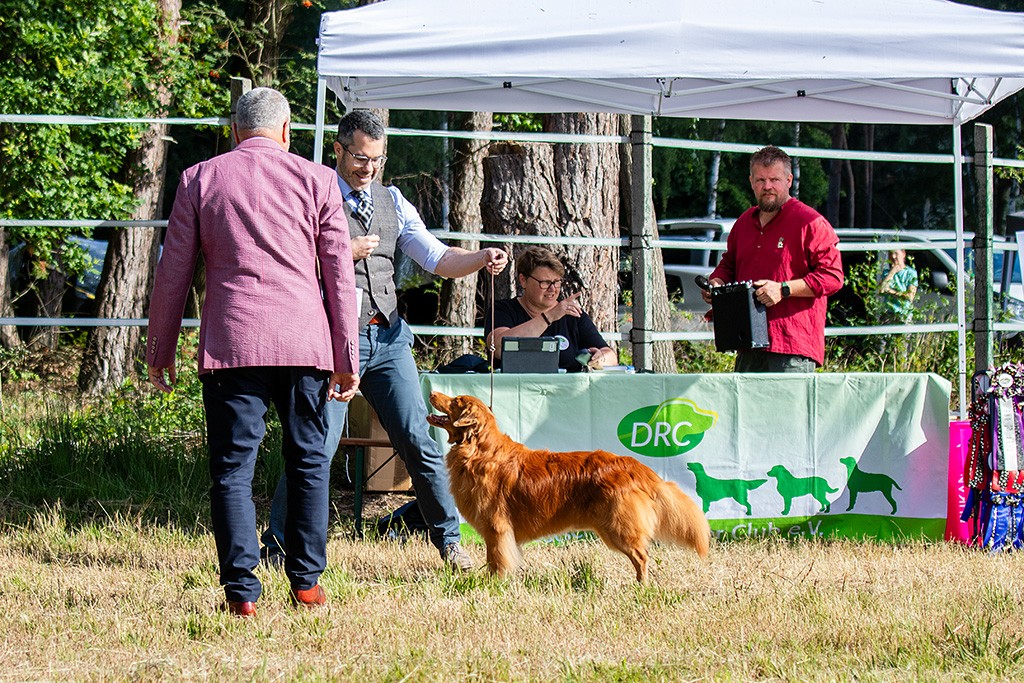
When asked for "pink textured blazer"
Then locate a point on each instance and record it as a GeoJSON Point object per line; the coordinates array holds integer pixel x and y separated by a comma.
{"type": "Point", "coordinates": [264, 220]}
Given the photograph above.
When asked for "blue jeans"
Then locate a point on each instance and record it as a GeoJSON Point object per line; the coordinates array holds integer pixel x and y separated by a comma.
{"type": "Point", "coordinates": [389, 381]}
{"type": "Point", "coordinates": [236, 402]}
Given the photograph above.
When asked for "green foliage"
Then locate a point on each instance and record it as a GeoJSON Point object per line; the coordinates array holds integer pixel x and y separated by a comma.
{"type": "Point", "coordinates": [1015, 174]}
{"type": "Point", "coordinates": [86, 58]}
{"type": "Point", "coordinates": [416, 165]}
{"type": "Point", "coordinates": [519, 123]}
{"type": "Point", "coordinates": [681, 176]}
{"type": "Point", "coordinates": [80, 459]}
{"type": "Point", "coordinates": [135, 447]}
{"type": "Point", "coordinates": [702, 357]}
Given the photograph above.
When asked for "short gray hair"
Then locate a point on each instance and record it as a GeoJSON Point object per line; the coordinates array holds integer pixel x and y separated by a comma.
{"type": "Point", "coordinates": [769, 156]}
{"type": "Point", "coordinates": [262, 109]}
{"type": "Point", "coordinates": [363, 120]}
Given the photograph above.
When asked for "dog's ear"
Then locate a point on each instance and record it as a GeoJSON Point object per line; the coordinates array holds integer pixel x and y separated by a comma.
{"type": "Point", "coordinates": [467, 414]}
{"type": "Point", "coordinates": [464, 420]}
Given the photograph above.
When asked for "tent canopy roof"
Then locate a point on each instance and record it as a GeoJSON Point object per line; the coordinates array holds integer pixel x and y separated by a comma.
{"type": "Point", "coordinates": [871, 61]}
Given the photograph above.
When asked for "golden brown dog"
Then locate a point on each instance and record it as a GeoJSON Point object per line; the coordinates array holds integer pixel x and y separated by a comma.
{"type": "Point", "coordinates": [512, 494]}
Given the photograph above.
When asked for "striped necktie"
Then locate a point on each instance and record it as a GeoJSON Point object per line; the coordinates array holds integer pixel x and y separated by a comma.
{"type": "Point", "coordinates": [364, 206]}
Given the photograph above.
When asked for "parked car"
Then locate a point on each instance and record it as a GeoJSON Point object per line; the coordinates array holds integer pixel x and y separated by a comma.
{"type": "Point", "coordinates": [936, 274]}
{"type": "Point", "coordinates": [86, 283]}
{"type": "Point", "coordinates": [936, 268]}
{"type": "Point", "coordinates": [682, 266]}
{"type": "Point", "coordinates": [80, 295]}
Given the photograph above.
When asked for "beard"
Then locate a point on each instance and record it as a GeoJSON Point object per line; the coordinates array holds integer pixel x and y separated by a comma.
{"type": "Point", "coordinates": [770, 203]}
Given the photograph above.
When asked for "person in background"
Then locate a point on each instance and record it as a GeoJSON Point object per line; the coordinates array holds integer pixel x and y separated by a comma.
{"type": "Point", "coordinates": [382, 222]}
{"type": "Point", "coordinates": [265, 222]}
{"type": "Point", "coordinates": [789, 251]}
{"type": "Point", "coordinates": [898, 288]}
{"type": "Point", "coordinates": [540, 312]}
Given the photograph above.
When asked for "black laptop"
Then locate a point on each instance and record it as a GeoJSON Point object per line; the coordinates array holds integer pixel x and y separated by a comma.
{"type": "Point", "coordinates": [529, 354]}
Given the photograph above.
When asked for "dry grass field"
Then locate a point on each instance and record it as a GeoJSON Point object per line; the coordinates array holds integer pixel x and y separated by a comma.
{"type": "Point", "coordinates": [126, 600]}
{"type": "Point", "coordinates": [119, 583]}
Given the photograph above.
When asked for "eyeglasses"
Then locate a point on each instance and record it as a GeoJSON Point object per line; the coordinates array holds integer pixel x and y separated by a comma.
{"type": "Point", "coordinates": [363, 160]}
{"type": "Point", "coordinates": [547, 284]}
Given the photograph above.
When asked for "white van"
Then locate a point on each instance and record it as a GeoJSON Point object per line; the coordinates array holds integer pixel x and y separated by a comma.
{"type": "Point", "coordinates": [933, 254]}
{"type": "Point", "coordinates": [682, 266]}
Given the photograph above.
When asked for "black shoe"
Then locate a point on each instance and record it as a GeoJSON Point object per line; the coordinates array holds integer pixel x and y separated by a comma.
{"type": "Point", "coordinates": [272, 558]}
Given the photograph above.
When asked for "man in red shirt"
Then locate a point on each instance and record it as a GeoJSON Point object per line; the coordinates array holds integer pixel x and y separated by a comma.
{"type": "Point", "coordinates": [788, 250]}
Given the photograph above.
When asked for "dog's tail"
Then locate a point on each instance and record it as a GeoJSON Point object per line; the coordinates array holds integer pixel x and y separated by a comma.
{"type": "Point", "coordinates": [680, 520]}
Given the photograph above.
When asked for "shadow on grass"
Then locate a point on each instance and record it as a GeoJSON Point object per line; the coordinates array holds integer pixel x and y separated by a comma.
{"type": "Point", "coordinates": [120, 470]}
{"type": "Point", "coordinates": [115, 471]}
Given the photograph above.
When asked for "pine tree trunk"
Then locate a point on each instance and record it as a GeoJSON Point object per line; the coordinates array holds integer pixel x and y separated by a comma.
{"type": "Point", "coordinates": [587, 178]}
{"type": "Point", "coordinates": [564, 189]}
{"type": "Point", "coordinates": [9, 338]}
{"type": "Point", "coordinates": [111, 352]}
{"type": "Point", "coordinates": [458, 304]}
{"type": "Point", "coordinates": [519, 198]}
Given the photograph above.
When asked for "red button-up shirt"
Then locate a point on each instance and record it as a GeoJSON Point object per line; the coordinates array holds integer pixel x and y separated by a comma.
{"type": "Point", "coordinates": [798, 243]}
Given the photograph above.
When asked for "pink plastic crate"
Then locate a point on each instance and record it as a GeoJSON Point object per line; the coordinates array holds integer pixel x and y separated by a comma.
{"type": "Point", "coordinates": [959, 447]}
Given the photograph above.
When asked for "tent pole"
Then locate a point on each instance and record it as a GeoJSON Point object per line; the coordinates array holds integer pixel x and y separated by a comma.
{"type": "Point", "coordinates": [321, 108]}
{"type": "Point", "coordinates": [961, 313]}
{"type": "Point", "coordinates": [641, 234]}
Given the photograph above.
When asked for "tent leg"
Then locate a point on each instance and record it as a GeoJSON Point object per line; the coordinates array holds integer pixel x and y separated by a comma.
{"type": "Point", "coordinates": [961, 313]}
{"type": "Point", "coordinates": [321, 108]}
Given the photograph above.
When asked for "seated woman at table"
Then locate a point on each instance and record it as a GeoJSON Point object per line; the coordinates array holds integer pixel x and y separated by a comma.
{"type": "Point", "coordinates": [538, 312]}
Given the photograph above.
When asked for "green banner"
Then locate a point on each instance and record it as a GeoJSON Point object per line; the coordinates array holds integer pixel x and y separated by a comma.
{"type": "Point", "coordinates": [820, 454]}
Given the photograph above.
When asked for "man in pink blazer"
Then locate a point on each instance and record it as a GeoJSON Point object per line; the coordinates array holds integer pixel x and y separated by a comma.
{"type": "Point", "coordinates": [273, 234]}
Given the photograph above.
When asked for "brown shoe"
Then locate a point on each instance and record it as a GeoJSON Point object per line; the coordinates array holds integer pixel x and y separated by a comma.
{"type": "Point", "coordinates": [310, 597]}
{"type": "Point", "coordinates": [239, 609]}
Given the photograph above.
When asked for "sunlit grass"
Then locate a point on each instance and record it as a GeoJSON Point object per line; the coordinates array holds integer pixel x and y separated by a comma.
{"type": "Point", "coordinates": [108, 572]}
{"type": "Point", "coordinates": [122, 598]}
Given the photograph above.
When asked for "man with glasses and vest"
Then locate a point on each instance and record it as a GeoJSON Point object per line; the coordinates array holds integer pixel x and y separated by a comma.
{"type": "Point", "coordinates": [381, 222]}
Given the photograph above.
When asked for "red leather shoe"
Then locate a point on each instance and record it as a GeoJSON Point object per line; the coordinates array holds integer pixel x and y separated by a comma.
{"type": "Point", "coordinates": [310, 597]}
{"type": "Point", "coordinates": [240, 609]}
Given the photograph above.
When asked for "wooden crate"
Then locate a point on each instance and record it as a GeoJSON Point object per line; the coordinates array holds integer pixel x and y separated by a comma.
{"type": "Point", "coordinates": [390, 473]}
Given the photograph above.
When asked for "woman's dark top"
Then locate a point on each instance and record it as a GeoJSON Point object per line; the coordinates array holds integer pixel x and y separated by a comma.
{"type": "Point", "coordinates": [581, 332]}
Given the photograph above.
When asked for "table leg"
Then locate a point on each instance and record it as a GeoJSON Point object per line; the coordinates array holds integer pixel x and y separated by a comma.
{"type": "Point", "coordinates": [357, 482]}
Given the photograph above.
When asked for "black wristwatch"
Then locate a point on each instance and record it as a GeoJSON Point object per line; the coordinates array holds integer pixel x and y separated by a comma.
{"type": "Point", "coordinates": [785, 290]}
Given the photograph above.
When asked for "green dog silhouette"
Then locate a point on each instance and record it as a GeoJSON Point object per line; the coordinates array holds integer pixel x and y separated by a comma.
{"type": "Point", "coordinates": [868, 482]}
{"type": "Point", "coordinates": [791, 487]}
{"type": "Point", "coordinates": [710, 489]}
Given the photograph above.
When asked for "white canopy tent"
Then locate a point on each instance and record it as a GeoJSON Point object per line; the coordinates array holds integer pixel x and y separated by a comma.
{"type": "Point", "coordinates": [873, 61]}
